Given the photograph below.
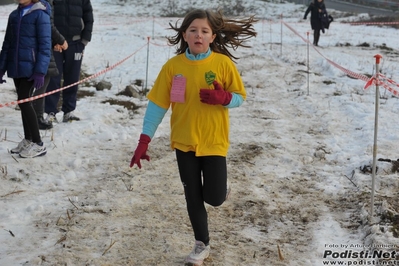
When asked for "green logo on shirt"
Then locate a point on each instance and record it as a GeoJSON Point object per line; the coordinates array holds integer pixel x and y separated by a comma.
{"type": "Point", "coordinates": [210, 77]}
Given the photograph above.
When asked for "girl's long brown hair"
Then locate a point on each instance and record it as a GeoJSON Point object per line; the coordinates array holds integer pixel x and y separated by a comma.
{"type": "Point", "coordinates": [230, 33]}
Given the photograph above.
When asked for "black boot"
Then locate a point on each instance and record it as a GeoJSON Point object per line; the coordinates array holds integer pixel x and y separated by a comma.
{"type": "Point", "coordinates": [43, 123]}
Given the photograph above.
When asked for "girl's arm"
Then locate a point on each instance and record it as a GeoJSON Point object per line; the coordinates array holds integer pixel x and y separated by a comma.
{"type": "Point", "coordinates": [152, 118]}
{"type": "Point", "coordinates": [236, 101]}
{"type": "Point", "coordinates": [43, 37]}
{"type": "Point", "coordinates": [5, 48]}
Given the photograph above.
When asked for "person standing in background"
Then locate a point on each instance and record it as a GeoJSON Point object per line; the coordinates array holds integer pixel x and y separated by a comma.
{"type": "Point", "coordinates": [58, 42]}
{"type": "Point", "coordinates": [74, 20]}
{"type": "Point", "coordinates": [317, 9]}
{"type": "Point", "coordinates": [25, 56]}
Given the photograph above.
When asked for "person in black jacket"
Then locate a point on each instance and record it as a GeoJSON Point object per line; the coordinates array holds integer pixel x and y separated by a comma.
{"type": "Point", "coordinates": [25, 56]}
{"type": "Point", "coordinates": [57, 41]}
{"type": "Point", "coordinates": [74, 20]}
{"type": "Point", "coordinates": [317, 11]}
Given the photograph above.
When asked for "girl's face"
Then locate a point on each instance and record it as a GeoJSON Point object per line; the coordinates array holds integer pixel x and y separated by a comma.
{"type": "Point", "coordinates": [24, 2]}
{"type": "Point", "coordinates": [199, 36]}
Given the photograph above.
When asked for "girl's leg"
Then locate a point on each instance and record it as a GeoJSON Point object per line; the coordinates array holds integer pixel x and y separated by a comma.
{"type": "Point", "coordinates": [190, 175]}
{"type": "Point", "coordinates": [316, 37]}
{"type": "Point", "coordinates": [27, 134]}
{"type": "Point", "coordinates": [214, 170]}
{"type": "Point", "coordinates": [38, 104]}
{"type": "Point", "coordinates": [29, 118]}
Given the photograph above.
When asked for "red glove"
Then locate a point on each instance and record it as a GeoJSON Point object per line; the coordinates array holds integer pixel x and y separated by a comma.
{"type": "Point", "coordinates": [141, 151]}
{"type": "Point", "coordinates": [216, 96]}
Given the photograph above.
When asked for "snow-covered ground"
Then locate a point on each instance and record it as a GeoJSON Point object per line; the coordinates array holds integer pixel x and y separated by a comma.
{"type": "Point", "coordinates": [299, 161]}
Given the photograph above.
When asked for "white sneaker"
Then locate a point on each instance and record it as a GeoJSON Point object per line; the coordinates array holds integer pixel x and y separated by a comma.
{"type": "Point", "coordinates": [199, 253]}
{"type": "Point", "coordinates": [69, 117]}
{"type": "Point", "coordinates": [33, 150]}
{"type": "Point", "coordinates": [51, 118]}
{"type": "Point", "coordinates": [22, 145]}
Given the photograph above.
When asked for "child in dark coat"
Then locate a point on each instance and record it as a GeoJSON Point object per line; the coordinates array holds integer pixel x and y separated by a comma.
{"type": "Point", "coordinates": [318, 14]}
{"type": "Point", "coordinates": [58, 41]}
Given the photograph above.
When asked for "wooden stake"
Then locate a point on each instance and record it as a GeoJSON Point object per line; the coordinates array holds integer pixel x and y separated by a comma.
{"type": "Point", "coordinates": [280, 255]}
{"type": "Point", "coordinates": [110, 246]}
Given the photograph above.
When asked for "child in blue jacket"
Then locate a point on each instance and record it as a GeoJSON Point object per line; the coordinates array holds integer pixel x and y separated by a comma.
{"type": "Point", "coordinates": [25, 56]}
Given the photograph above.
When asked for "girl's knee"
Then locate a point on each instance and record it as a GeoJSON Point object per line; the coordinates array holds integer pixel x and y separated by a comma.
{"type": "Point", "coordinates": [215, 202]}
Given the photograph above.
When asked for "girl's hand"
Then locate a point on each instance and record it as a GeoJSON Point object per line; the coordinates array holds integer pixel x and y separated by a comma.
{"type": "Point", "coordinates": [141, 151]}
{"type": "Point", "coordinates": [216, 96]}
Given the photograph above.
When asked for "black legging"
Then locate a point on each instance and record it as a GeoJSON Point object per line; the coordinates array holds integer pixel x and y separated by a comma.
{"type": "Point", "coordinates": [204, 180]}
{"type": "Point", "coordinates": [316, 36]}
{"type": "Point", "coordinates": [29, 119]}
{"type": "Point", "coordinates": [38, 104]}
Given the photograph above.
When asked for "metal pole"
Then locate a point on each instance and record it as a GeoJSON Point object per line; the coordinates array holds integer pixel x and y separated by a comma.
{"type": "Point", "coordinates": [281, 47]}
{"type": "Point", "coordinates": [153, 27]}
{"type": "Point", "coordinates": [146, 72]}
{"type": "Point", "coordinates": [377, 103]}
{"type": "Point", "coordinates": [308, 61]}
{"type": "Point", "coordinates": [263, 29]}
{"type": "Point", "coordinates": [271, 36]}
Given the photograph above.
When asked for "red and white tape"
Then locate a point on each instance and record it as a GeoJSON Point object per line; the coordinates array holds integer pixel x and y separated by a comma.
{"type": "Point", "coordinates": [381, 80]}
{"type": "Point", "coordinates": [76, 83]}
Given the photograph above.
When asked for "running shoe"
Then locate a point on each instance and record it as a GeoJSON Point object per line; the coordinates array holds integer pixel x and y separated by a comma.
{"type": "Point", "coordinates": [197, 256]}
{"type": "Point", "coordinates": [22, 145]}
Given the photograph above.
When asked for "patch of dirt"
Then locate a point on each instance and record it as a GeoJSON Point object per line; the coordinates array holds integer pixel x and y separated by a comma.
{"type": "Point", "coordinates": [127, 104]}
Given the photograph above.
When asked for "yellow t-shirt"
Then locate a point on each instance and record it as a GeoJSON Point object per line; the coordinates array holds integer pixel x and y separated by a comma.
{"type": "Point", "coordinates": [197, 126]}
